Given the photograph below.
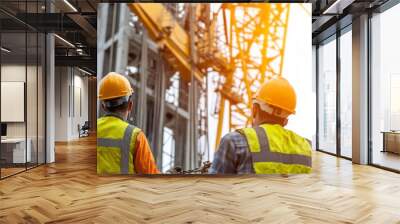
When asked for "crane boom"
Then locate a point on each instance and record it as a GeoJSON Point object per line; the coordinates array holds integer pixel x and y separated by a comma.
{"type": "Point", "coordinates": [255, 38]}
{"type": "Point", "coordinates": [172, 39]}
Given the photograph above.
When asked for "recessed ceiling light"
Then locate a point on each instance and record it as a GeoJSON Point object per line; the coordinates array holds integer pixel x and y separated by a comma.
{"type": "Point", "coordinates": [84, 71]}
{"type": "Point", "coordinates": [337, 7]}
{"type": "Point", "coordinates": [65, 41]}
{"type": "Point", "coordinates": [5, 50]}
{"type": "Point", "coordinates": [70, 5]}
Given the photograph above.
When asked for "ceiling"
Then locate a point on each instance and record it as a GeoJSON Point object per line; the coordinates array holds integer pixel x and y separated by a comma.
{"type": "Point", "coordinates": [74, 22]}
{"type": "Point", "coordinates": [328, 16]}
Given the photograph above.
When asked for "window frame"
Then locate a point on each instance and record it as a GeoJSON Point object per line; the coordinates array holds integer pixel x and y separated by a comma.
{"type": "Point", "coordinates": [379, 10]}
{"type": "Point", "coordinates": [334, 37]}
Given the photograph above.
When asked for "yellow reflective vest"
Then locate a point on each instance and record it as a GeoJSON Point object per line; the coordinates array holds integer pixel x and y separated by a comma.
{"type": "Point", "coordinates": [276, 150]}
{"type": "Point", "coordinates": [116, 140]}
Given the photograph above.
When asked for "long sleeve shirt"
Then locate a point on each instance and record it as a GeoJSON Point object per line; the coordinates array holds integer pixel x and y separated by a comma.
{"type": "Point", "coordinates": [144, 162]}
{"type": "Point", "coordinates": [232, 156]}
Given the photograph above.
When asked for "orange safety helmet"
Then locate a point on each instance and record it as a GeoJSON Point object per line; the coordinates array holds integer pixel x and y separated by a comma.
{"type": "Point", "coordinates": [113, 86]}
{"type": "Point", "coordinates": [277, 93]}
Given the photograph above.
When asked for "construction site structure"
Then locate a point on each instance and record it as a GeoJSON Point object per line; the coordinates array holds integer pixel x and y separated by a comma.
{"type": "Point", "coordinates": [169, 50]}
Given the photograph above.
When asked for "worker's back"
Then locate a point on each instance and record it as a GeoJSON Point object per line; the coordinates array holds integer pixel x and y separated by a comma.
{"type": "Point", "coordinates": [116, 141]}
{"type": "Point", "coordinates": [266, 149]}
{"type": "Point", "coordinates": [275, 149]}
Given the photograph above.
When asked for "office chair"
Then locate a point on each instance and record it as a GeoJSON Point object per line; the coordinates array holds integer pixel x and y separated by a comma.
{"type": "Point", "coordinates": [84, 130]}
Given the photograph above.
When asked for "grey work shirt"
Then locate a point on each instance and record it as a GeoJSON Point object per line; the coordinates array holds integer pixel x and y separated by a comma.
{"type": "Point", "coordinates": [233, 156]}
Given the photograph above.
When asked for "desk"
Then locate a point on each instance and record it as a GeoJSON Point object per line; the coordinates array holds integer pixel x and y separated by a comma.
{"type": "Point", "coordinates": [13, 150]}
{"type": "Point", "coordinates": [391, 141]}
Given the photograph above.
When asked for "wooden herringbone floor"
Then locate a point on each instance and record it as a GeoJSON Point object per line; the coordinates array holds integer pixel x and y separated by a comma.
{"type": "Point", "coordinates": [69, 191]}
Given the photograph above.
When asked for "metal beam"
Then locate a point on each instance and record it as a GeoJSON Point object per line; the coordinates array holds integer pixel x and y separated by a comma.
{"type": "Point", "coordinates": [150, 93]}
{"type": "Point", "coordinates": [84, 24]}
{"type": "Point", "coordinates": [338, 6]}
{"type": "Point", "coordinates": [81, 61]}
{"type": "Point", "coordinates": [318, 24]}
{"type": "Point", "coordinates": [159, 113]}
{"type": "Point", "coordinates": [192, 130]}
{"type": "Point", "coordinates": [142, 104]}
{"type": "Point", "coordinates": [169, 35]}
{"type": "Point", "coordinates": [330, 28]}
{"type": "Point", "coordinates": [49, 22]}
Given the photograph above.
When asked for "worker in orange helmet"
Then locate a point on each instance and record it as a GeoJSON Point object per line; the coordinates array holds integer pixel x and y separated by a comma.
{"type": "Point", "coordinates": [121, 147]}
{"type": "Point", "coordinates": [267, 147]}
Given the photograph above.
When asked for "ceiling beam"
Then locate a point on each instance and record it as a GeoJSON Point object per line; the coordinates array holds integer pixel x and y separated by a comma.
{"type": "Point", "coordinates": [78, 61]}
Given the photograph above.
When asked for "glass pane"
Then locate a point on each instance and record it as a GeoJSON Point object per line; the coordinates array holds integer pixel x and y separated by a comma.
{"type": "Point", "coordinates": [31, 99]}
{"type": "Point", "coordinates": [13, 86]}
{"type": "Point", "coordinates": [346, 94]}
{"type": "Point", "coordinates": [41, 99]}
{"type": "Point", "coordinates": [22, 88]}
{"type": "Point", "coordinates": [327, 96]}
{"type": "Point", "coordinates": [386, 89]}
{"type": "Point", "coordinates": [32, 86]}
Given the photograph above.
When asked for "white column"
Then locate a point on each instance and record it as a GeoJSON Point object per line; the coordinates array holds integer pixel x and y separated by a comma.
{"type": "Point", "coordinates": [50, 99]}
{"type": "Point", "coordinates": [360, 90]}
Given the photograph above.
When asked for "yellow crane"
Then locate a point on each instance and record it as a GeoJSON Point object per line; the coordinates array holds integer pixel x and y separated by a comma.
{"type": "Point", "coordinates": [171, 38]}
{"type": "Point", "coordinates": [250, 51]}
{"type": "Point", "coordinates": [255, 38]}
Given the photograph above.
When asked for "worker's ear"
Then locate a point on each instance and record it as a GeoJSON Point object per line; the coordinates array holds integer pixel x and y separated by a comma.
{"type": "Point", "coordinates": [254, 111]}
{"type": "Point", "coordinates": [285, 121]}
{"type": "Point", "coordinates": [103, 107]}
{"type": "Point", "coordinates": [130, 105]}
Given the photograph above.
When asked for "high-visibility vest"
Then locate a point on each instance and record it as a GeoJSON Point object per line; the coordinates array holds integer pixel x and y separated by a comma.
{"type": "Point", "coordinates": [116, 141]}
{"type": "Point", "coordinates": [276, 150]}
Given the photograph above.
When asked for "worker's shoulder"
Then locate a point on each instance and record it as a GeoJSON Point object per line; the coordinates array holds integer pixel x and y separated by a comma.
{"type": "Point", "coordinates": [294, 135]}
{"type": "Point", "coordinates": [109, 119]}
{"type": "Point", "coordinates": [235, 138]}
{"type": "Point", "coordinates": [135, 128]}
{"type": "Point", "coordinates": [101, 119]}
{"type": "Point", "coordinates": [137, 132]}
{"type": "Point", "coordinates": [140, 135]}
{"type": "Point", "coordinates": [291, 132]}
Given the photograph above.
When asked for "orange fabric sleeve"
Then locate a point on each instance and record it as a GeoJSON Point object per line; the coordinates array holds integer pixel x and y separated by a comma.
{"type": "Point", "coordinates": [144, 161]}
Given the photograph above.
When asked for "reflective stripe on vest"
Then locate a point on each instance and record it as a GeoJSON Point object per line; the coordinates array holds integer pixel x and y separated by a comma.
{"type": "Point", "coordinates": [122, 144]}
{"type": "Point", "coordinates": [282, 160]}
{"type": "Point", "coordinates": [115, 146]}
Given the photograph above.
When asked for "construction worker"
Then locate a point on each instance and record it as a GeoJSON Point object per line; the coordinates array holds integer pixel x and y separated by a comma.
{"type": "Point", "coordinates": [267, 147]}
{"type": "Point", "coordinates": [121, 147]}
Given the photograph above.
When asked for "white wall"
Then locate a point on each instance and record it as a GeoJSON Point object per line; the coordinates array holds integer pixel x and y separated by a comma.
{"type": "Point", "coordinates": [34, 125]}
{"type": "Point", "coordinates": [12, 73]}
{"type": "Point", "coordinates": [79, 117]}
{"type": "Point", "coordinates": [71, 94]}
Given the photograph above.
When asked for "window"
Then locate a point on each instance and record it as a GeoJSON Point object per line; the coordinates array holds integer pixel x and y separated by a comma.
{"type": "Point", "coordinates": [346, 93]}
{"type": "Point", "coordinates": [327, 96]}
{"type": "Point", "coordinates": [22, 77]}
{"type": "Point", "coordinates": [385, 89]}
